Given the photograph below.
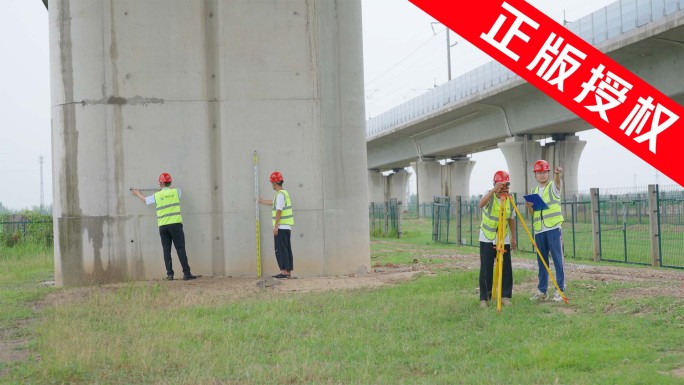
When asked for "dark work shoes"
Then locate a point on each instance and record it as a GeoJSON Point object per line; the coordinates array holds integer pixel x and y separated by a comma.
{"type": "Point", "coordinates": [169, 277]}
{"type": "Point", "coordinates": [189, 277]}
{"type": "Point", "coordinates": [281, 275]}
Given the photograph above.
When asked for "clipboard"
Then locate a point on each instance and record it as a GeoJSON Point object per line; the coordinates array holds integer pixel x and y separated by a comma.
{"type": "Point", "coordinates": [537, 202]}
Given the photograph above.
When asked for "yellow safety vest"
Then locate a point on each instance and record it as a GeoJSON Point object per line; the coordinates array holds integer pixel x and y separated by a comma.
{"type": "Point", "coordinates": [286, 217]}
{"type": "Point", "coordinates": [168, 207]}
{"type": "Point", "coordinates": [551, 216]}
{"type": "Point", "coordinates": [490, 218]}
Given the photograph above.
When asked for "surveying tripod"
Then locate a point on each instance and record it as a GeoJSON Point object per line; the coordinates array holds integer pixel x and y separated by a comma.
{"type": "Point", "coordinates": [500, 250]}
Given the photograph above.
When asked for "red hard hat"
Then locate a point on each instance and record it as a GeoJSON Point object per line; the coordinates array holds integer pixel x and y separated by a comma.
{"type": "Point", "coordinates": [165, 177]}
{"type": "Point", "coordinates": [541, 165]}
{"type": "Point", "coordinates": [276, 177]}
{"type": "Point", "coordinates": [501, 176]}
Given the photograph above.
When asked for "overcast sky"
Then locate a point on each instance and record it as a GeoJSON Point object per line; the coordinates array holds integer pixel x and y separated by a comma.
{"type": "Point", "coordinates": [404, 56]}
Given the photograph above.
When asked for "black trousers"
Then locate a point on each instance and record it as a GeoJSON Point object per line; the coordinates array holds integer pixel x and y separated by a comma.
{"type": "Point", "coordinates": [487, 257]}
{"type": "Point", "coordinates": [173, 233]}
{"type": "Point", "coordinates": [283, 250]}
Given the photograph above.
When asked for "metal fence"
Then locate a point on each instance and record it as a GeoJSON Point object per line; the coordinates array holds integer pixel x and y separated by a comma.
{"type": "Point", "coordinates": [385, 219]}
{"type": "Point", "coordinates": [13, 233]}
{"type": "Point", "coordinates": [441, 215]}
{"type": "Point", "coordinates": [622, 230]}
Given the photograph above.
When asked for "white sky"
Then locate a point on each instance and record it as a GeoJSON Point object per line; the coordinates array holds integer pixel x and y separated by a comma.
{"type": "Point", "coordinates": [402, 59]}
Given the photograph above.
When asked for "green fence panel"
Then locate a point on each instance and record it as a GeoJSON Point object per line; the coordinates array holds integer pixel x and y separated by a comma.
{"type": "Point", "coordinates": [671, 213]}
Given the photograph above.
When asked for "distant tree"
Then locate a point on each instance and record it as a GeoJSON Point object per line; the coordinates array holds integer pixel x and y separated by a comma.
{"type": "Point", "coordinates": [46, 210]}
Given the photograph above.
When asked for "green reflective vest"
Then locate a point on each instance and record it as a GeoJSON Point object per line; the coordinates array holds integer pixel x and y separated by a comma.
{"type": "Point", "coordinates": [490, 218]}
{"type": "Point", "coordinates": [551, 216]}
{"type": "Point", "coordinates": [168, 207]}
{"type": "Point", "coordinates": [286, 217]}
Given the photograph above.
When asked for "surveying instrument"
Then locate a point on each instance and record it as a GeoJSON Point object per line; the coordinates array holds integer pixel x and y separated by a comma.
{"type": "Point", "coordinates": [500, 250]}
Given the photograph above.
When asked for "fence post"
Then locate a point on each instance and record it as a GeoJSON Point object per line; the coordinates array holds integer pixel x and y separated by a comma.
{"type": "Point", "coordinates": [459, 230]}
{"type": "Point", "coordinates": [595, 223]}
{"type": "Point", "coordinates": [386, 229]}
{"type": "Point", "coordinates": [654, 225]}
{"type": "Point", "coordinates": [573, 211]}
{"type": "Point", "coordinates": [371, 215]}
{"type": "Point", "coordinates": [399, 215]}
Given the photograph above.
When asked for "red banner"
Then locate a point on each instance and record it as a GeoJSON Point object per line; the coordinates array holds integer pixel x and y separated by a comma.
{"type": "Point", "coordinates": [574, 73]}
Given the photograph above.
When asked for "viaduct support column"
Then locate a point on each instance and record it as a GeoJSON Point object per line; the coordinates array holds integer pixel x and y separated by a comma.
{"type": "Point", "coordinates": [397, 186]}
{"type": "Point", "coordinates": [429, 178]}
{"type": "Point", "coordinates": [457, 178]}
{"type": "Point", "coordinates": [520, 154]}
{"type": "Point", "coordinates": [376, 186]}
{"type": "Point", "coordinates": [565, 151]}
{"type": "Point", "coordinates": [193, 88]}
{"type": "Point", "coordinates": [383, 188]}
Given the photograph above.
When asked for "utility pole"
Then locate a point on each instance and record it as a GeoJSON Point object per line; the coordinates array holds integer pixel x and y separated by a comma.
{"type": "Point", "coordinates": [42, 196]}
{"type": "Point", "coordinates": [448, 46]}
{"type": "Point", "coordinates": [448, 32]}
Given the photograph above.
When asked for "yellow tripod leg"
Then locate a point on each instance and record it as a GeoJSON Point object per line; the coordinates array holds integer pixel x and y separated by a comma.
{"type": "Point", "coordinates": [500, 250]}
{"type": "Point", "coordinates": [534, 244]}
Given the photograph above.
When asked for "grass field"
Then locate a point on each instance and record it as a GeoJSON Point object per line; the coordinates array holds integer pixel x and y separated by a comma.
{"type": "Point", "coordinates": [428, 330]}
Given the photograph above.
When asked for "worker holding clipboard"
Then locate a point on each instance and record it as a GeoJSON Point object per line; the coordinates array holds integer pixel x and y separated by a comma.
{"type": "Point", "coordinates": [545, 204]}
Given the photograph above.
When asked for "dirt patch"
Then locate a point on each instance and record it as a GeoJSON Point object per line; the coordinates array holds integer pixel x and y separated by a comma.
{"type": "Point", "coordinates": [12, 348]}
{"type": "Point", "coordinates": [209, 289]}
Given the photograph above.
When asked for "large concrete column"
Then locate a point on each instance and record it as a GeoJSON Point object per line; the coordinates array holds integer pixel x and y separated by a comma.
{"type": "Point", "coordinates": [429, 180]}
{"type": "Point", "coordinates": [457, 178]}
{"type": "Point", "coordinates": [520, 154]}
{"type": "Point", "coordinates": [565, 151]}
{"type": "Point", "coordinates": [193, 88]}
{"type": "Point", "coordinates": [397, 185]}
{"type": "Point", "coordinates": [377, 184]}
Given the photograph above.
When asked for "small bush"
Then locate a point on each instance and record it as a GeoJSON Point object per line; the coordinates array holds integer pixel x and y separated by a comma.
{"type": "Point", "coordinates": [11, 239]}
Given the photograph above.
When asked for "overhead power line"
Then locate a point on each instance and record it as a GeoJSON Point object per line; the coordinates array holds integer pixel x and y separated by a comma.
{"type": "Point", "coordinates": [386, 72]}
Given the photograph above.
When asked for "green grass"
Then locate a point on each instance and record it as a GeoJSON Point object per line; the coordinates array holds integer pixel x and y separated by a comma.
{"type": "Point", "coordinates": [19, 285]}
{"type": "Point", "coordinates": [427, 331]}
{"type": "Point", "coordinates": [19, 289]}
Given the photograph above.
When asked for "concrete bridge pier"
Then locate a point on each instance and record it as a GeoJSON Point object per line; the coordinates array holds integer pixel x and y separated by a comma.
{"type": "Point", "coordinates": [382, 188]}
{"type": "Point", "coordinates": [429, 179]}
{"type": "Point", "coordinates": [193, 88]}
{"type": "Point", "coordinates": [457, 177]}
{"type": "Point", "coordinates": [376, 186]}
{"type": "Point", "coordinates": [521, 153]}
{"type": "Point", "coordinates": [565, 151]}
{"type": "Point", "coordinates": [397, 185]}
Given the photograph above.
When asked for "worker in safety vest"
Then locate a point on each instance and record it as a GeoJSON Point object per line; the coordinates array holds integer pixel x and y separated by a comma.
{"type": "Point", "coordinates": [491, 209]}
{"type": "Point", "coordinates": [282, 221]}
{"type": "Point", "coordinates": [548, 228]}
{"type": "Point", "coordinates": [170, 223]}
